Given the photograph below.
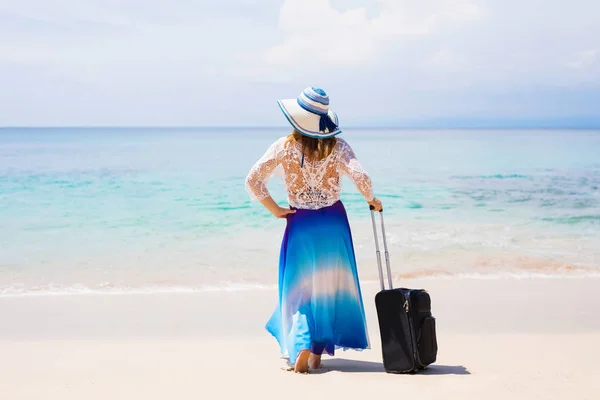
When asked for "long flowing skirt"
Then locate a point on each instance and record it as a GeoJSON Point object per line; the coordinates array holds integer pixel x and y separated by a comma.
{"type": "Point", "coordinates": [320, 305]}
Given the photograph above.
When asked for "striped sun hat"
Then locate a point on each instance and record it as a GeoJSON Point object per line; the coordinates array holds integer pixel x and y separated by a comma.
{"type": "Point", "coordinates": [310, 115]}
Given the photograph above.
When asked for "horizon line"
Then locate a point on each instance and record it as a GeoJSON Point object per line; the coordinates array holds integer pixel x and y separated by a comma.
{"type": "Point", "coordinates": [560, 122]}
{"type": "Point", "coordinates": [353, 127]}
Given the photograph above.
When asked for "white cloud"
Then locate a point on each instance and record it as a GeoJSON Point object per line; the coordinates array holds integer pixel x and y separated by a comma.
{"type": "Point", "coordinates": [315, 33]}
{"type": "Point", "coordinates": [446, 59]}
{"type": "Point", "coordinates": [65, 11]}
{"type": "Point", "coordinates": [585, 59]}
{"type": "Point", "coordinates": [129, 42]}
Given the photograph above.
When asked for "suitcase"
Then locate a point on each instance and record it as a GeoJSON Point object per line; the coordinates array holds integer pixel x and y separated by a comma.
{"type": "Point", "coordinates": [406, 324]}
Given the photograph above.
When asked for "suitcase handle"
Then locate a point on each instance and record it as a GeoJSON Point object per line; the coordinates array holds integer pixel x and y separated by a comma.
{"type": "Point", "coordinates": [378, 253]}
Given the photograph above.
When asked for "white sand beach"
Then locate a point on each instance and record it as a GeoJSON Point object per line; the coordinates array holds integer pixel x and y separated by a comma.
{"type": "Point", "coordinates": [150, 151]}
{"type": "Point", "coordinates": [498, 339]}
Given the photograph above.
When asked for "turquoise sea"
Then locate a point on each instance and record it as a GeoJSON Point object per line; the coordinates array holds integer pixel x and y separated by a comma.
{"type": "Point", "coordinates": [116, 210]}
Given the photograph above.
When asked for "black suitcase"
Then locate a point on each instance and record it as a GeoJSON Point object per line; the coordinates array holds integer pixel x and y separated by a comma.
{"type": "Point", "coordinates": [406, 324]}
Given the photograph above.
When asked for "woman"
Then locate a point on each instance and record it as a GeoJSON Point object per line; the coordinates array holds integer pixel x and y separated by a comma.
{"type": "Point", "coordinates": [320, 305]}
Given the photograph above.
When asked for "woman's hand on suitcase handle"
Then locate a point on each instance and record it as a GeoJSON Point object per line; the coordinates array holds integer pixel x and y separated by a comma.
{"type": "Point", "coordinates": [375, 204]}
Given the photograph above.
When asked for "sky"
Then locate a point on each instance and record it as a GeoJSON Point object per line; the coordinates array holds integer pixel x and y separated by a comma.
{"type": "Point", "coordinates": [225, 63]}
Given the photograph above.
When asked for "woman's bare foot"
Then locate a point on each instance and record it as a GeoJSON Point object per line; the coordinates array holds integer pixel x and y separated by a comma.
{"type": "Point", "coordinates": [302, 362]}
{"type": "Point", "coordinates": [314, 361]}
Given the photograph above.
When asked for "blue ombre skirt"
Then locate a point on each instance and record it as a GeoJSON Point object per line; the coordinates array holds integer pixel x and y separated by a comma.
{"type": "Point", "coordinates": [320, 305]}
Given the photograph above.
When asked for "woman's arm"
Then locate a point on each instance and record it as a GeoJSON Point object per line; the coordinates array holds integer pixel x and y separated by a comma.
{"type": "Point", "coordinates": [259, 175]}
{"type": "Point", "coordinates": [350, 166]}
{"type": "Point", "coordinates": [274, 208]}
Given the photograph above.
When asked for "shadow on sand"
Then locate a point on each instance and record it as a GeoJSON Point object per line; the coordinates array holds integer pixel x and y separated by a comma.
{"type": "Point", "coordinates": [343, 365]}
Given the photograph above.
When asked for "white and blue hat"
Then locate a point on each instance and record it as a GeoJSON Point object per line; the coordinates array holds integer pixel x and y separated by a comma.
{"type": "Point", "coordinates": [310, 115]}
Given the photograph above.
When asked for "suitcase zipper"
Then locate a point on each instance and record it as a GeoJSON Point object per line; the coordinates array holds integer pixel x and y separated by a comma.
{"type": "Point", "coordinates": [411, 329]}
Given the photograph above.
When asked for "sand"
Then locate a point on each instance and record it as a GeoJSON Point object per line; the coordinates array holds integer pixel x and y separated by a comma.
{"type": "Point", "coordinates": [498, 339]}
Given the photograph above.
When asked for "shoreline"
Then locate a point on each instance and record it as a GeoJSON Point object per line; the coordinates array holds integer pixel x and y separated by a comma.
{"type": "Point", "coordinates": [568, 273]}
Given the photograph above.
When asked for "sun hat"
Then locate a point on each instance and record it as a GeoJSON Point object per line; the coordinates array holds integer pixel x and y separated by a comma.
{"type": "Point", "coordinates": [310, 115]}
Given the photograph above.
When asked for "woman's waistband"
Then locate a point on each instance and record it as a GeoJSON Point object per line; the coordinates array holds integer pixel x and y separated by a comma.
{"type": "Point", "coordinates": [336, 203]}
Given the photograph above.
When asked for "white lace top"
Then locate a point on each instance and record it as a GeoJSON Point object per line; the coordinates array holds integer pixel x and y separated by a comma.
{"type": "Point", "coordinates": [312, 185]}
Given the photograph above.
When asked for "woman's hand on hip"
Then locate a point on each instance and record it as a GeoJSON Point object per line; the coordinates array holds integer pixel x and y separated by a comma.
{"type": "Point", "coordinates": [274, 208]}
{"type": "Point", "coordinates": [376, 204]}
{"type": "Point", "coordinates": [282, 212]}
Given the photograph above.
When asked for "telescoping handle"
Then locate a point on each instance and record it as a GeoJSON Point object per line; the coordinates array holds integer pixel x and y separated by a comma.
{"type": "Point", "coordinates": [385, 248]}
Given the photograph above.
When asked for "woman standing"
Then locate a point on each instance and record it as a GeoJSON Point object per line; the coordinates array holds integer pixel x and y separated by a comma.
{"type": "Point", "coordinates": [320, 305]}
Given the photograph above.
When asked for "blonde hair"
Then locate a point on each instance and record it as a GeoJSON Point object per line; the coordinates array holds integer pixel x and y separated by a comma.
{"type": "Point", "coordinates": [321, 148]}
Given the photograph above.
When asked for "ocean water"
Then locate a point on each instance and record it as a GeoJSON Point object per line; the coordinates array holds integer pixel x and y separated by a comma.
{"type": "Point", "coordinates": [144, 210]}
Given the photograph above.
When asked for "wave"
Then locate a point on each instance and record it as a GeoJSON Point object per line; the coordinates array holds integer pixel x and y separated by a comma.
{"type": "Point", "coordinates": [53, 290]}
{"type": "Point", "coordinates": [511, 275]}
{"type": "Point", "coordinates": [79, 290]}
{"type": "Point", "coordinates": [494, 176]}
{"type": "Point", "coordinates": [526, 269]}
{"type": "Point", "coordinates": [228, 207]}
{"type": "Point", "coordinates": [573, 220]}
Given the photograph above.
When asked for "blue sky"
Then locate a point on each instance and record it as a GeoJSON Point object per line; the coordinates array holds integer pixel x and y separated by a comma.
{"type": "Point", "coordinates": [383, 62]}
